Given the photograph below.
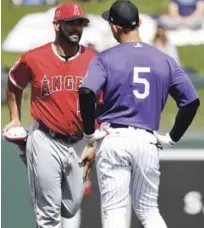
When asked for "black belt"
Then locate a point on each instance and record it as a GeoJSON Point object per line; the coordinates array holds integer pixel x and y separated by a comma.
{"type": "Point", "coordinates": [114, 125]}
{"type": "Point", "coordinates": [66, 138]}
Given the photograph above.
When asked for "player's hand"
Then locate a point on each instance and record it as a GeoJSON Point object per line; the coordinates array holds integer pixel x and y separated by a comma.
{"type": "Point", "coordinates": [97, 135]}
{"type": "Point", "coordinates": [13, 123]}
{"type": "Point", "coordinates": [87, 158]}
{"type": "Point", "coordinates": [165, 140]}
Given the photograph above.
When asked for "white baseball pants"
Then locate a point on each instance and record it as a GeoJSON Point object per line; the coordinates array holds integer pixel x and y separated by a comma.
{"type": "Point", "coordinates": [55, 178]}
{"type": "Point", "coordinates": [127, 161]}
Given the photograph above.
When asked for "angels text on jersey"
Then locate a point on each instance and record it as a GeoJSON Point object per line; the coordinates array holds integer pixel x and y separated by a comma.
{"type": "Point", "coordinates": [59, 83]}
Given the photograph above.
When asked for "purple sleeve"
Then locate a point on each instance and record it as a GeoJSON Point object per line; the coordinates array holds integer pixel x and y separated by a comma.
{"type": "Point", "coordinates": [181, 87]}
{"type": "Point", "coordinates": [96, 75]}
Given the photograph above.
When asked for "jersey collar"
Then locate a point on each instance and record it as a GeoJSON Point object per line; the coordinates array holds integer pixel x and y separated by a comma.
{"type": "Point", "coordinates": [61, 58]}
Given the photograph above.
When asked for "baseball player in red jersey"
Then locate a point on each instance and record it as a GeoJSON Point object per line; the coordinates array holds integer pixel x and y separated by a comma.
{"type": "Point", "coordinates": [54, 144]}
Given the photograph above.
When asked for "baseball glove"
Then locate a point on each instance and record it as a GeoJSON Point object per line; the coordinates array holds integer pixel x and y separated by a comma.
{"type": "Point", "coordinates": [18, 136]}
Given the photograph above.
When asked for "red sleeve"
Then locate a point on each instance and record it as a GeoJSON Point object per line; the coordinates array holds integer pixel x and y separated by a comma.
{"type": "Point", "coordinates": [20, 74]}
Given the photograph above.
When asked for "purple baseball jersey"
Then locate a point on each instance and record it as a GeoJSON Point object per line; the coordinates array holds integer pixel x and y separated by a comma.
{"type": "Point", "coordinates": [136, 79]}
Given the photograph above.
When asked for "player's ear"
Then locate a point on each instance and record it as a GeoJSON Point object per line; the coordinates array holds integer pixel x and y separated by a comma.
{"type": "Point", "coordinates": [116, 28]}
{"type": "Point", "coordinates": [56, 26]}
{"type": "Point", "coordinates": [140, 22]}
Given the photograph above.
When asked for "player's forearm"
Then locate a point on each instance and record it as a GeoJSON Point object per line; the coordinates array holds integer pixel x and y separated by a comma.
{"type": "Point", "coordinates": [87, 101]}
{"type": "Point", "coordinates": [14, 100]}
{"type": "Point", "coordinates": [200, 8]}
{"type": "Point", "coordinates": [173, 10]}
{"type": "Point", "coordinates": [183, 120]}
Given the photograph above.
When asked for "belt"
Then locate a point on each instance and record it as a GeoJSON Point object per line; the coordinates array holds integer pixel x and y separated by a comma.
{"type": "Point", "coordinates": [114, 125]}
{"type": "Point", "coordinates": [66, 138]}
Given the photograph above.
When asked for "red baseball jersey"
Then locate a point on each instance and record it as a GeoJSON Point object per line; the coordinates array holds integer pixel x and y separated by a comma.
{"type": "Point", "coordinates": [54, 85]}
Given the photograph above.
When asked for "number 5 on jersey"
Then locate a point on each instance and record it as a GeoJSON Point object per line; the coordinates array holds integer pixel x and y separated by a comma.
{"type": "Point", "coordinates": [143, 81]}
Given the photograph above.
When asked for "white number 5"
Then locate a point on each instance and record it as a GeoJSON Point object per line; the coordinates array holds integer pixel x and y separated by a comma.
{"type": "Point", "coordinates": [143, 81]}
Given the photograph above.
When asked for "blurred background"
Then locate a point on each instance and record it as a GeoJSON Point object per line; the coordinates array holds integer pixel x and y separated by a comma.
{"type": "Point", "coordinates": [176, 27]}
{"type": "Point", "coordinates": [28, 23]}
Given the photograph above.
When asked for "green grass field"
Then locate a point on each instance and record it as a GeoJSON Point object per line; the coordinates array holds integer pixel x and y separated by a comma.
{"type": "Point", "coordinates": [191, 56]}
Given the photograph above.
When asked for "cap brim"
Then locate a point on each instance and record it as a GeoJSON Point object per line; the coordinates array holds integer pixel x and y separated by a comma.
{"type": "Point", "coordinates": [76, 18]}
{"type": "Point", "coordinates": [105, 15]}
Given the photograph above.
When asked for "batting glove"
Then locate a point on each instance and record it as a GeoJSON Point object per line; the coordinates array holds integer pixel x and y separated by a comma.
{"type": "Point", "coordinates": [164, 140]}
{"type": "Point", "coordinates": [97, 135]}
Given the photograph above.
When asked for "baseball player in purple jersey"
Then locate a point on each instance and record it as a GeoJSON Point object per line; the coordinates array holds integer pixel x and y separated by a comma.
{"type": "Point", "coordinates": [136, 79]}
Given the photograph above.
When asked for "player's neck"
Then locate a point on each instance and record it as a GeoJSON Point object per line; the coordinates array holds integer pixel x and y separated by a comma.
{"type": "Point", "coordinates": [130, 37]}
{"type": "Point", "coordinates": [66, 49]}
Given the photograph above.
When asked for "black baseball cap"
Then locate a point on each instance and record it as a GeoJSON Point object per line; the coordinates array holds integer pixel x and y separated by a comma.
{"type": "Point", "coordinates": [122, 13]}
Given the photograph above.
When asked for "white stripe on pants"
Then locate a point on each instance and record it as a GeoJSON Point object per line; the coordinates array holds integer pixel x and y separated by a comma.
{"type": "Point", "coordinates": [127, 160]}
